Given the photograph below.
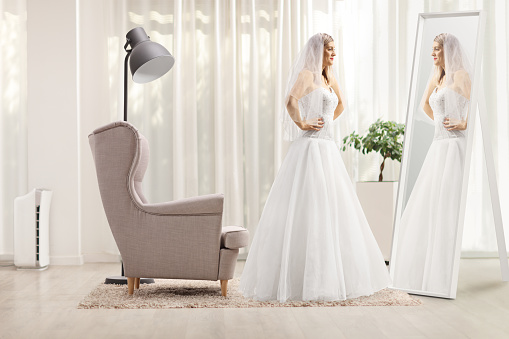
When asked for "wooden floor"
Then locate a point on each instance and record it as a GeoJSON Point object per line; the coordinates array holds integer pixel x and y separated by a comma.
{"type": "Point", "coordinates": [43, 305]}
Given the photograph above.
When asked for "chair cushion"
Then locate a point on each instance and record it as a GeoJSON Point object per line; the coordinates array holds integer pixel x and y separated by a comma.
{"type": "Point", "coordinates": [234, 237]}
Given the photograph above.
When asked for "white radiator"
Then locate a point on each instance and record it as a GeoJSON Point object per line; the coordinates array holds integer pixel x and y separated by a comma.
{"type": "Point", "coordinates": [31, 229]}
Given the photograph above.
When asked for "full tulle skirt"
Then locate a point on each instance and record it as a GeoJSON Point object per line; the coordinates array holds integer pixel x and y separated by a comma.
{"type": "Point", "coordinates": [313, 241]}
{"type": "Point", "coordinates": [427, 231]}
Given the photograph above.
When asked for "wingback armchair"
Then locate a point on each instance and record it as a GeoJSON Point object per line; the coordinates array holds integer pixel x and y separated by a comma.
{"type": "Point", "coordinates": [181, 239]}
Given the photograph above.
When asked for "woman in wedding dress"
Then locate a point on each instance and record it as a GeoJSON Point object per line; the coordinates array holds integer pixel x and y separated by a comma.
{"type": "Point", "coordinates": [426, 242]}
{"type": "Point", "coordinates": [313, 241]}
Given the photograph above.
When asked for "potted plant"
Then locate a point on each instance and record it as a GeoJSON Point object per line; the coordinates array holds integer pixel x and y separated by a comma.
{"type": "Point", "coordinates": [383, 137]}
{"type": "Point", "coordinates": [378, 199]}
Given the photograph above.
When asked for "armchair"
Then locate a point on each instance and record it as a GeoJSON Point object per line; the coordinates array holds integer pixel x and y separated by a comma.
{"type": "Point", "coordinates": [182, 239]}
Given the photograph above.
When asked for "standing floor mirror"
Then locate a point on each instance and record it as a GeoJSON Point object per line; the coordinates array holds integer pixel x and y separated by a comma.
{"type": "Point", "coordinates": [444, 91]}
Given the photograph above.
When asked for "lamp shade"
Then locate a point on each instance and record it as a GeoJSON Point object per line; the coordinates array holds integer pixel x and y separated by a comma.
{"type": "Point", "coordinates": [149, 60]}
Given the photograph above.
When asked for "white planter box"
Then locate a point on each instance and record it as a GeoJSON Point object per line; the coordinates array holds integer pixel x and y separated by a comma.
{"type": "Point", "coordinates": [378, 200]}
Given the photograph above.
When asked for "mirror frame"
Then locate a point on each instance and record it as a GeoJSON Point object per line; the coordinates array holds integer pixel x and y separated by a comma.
{"type": "Point", "coordinates": [408, 137]}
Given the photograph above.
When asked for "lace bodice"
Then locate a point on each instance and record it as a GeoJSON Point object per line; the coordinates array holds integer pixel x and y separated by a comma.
{"type": "Point", "coordinates": [438, 105]}
{"type": "Point", "coordinates": [330, 102]}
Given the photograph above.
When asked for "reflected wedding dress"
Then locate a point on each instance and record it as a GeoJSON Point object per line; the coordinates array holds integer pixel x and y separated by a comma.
{"type": "Point", "coordinates": [313, 241]}
{"type": "Point", "coordinates": [426, 243]}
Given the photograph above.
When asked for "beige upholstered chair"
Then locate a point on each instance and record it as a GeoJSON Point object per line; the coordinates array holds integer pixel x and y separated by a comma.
{"type": "Point", "coordinates": [182, 239]}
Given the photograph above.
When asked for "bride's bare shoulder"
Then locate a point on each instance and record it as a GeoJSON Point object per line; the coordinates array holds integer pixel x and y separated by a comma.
{"type": "Point", "coordinates": [306, 74]}
{"type": "Point", "coordinates": [461, 76]}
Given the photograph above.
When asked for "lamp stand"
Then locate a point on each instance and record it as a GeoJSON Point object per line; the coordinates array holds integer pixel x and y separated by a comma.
{"type": "Point", "coordinates": [125, 79]}
{"type": "Point", "coordinates": [122, 280]}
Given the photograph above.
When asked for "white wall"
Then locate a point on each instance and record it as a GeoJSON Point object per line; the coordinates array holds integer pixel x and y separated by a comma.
{"type": "Point", "coordinates": [97, 241]}
{"type": "Point", "coordinates": [53, 125]}
{"type": "Point", "coordinates": [65, 105]}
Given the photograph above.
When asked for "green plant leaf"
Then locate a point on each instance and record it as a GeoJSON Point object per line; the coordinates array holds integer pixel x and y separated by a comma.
{"type": "Point", "coordinates": [383, 137]}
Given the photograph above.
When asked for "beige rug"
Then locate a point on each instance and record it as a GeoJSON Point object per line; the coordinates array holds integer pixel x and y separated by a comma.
{"type": "Point", "coordinates": [207, 294]}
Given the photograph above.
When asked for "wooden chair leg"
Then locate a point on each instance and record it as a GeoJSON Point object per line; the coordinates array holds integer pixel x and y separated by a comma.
{"type": "Point", "coordinates": [224, 287]}
{"type": "Point", "coordinates": [130, 285]}
{"type": "Point", "coordinates": [136, 283]}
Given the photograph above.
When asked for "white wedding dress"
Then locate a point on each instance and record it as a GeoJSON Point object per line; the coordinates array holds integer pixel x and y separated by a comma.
{"type": "Point", "coordinates": [427, 231]}
{"type": "Point", "coordinates": [313, 241]}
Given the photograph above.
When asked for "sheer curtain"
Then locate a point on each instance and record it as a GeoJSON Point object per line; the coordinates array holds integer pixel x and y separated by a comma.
{"type": "Point", "coordinates": [13, 146]}
{"type": "Point", "coordinates": [479, 238]}
{"type": "Point", "coordinates": [381, 36]}
{"type": "Point", "coordinates": [212, 121]}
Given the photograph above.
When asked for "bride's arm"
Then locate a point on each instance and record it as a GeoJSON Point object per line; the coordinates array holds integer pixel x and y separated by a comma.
{"type": "Point", "coordinates": [462, 85]}
{"type": "Point", "coordinates": [292, 103]}
{"type": "Point", "coordinates": [341, 106]}
{"type": "Point", "coordinates": [425, 106]}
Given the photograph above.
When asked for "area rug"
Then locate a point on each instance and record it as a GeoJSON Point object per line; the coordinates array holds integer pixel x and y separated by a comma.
{"type": "Point", "coordinates": [207, 294]}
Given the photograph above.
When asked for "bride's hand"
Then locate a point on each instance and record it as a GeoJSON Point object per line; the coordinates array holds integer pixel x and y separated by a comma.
{"type": "Point", "coordinates": [455, 125]}
{"type": "Point", "coordinates": [312, 124]}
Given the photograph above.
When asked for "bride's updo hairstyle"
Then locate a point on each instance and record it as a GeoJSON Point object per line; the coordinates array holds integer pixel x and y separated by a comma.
{"type": "Point", "coordinates": [326, 38]}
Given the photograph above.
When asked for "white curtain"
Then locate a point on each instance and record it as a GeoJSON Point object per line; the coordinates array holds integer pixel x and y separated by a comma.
{"type": "Point", "coordinates": [479, 237]}
{"type": "Point", "coordinates": [213, 120]}
{"type": "Point", "coordinates": [13, 146]}
{"type": "Point", "coordinates": [381, 37]}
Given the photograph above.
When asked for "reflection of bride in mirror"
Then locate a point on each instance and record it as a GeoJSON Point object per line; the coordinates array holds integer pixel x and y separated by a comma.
{"type": "Point", "coordinates": [427, 231]}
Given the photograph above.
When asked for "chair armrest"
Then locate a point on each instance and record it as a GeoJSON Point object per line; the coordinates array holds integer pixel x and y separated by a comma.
{"type": "Point", "coordinates": [234, 237]}
{"type": "Point", "coordinates": [211, 204]}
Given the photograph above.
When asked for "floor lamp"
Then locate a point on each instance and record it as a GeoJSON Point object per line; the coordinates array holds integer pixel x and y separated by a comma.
{"type": "Point", "coordinates": [148, 61]}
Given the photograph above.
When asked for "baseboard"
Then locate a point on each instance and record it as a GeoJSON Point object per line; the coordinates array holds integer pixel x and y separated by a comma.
{"type": "Point", "coordinates": [109, 257]}
{"type": "Point", "coordinates": [7, 258]}
{"type": "Point", "coordinates": [479, 254]}
{"type": "Point", "coordinates": [464, 255]}
{"type": "Point", "coordinates": [101, 257]}
{"type": "Point", "coordinates": [66, 260]}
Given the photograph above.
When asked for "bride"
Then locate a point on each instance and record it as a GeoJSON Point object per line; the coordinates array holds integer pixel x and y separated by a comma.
{"type": "Point", "coordinates": [426, 244]}
{"type": "Point", "coordinates": [313, 241]}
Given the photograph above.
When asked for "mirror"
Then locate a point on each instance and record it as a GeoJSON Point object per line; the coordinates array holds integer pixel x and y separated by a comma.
{"type": "Point", "coordinates": [434, 169]}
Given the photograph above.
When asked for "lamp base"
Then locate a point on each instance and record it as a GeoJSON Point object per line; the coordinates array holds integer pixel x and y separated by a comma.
{"type": "Point", "coordinates": [119, 280]}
